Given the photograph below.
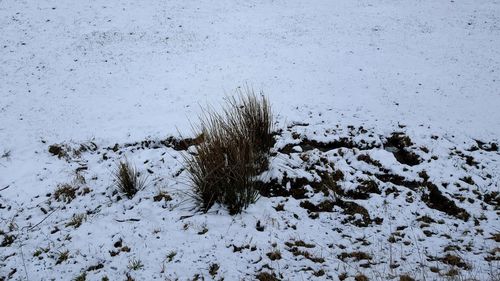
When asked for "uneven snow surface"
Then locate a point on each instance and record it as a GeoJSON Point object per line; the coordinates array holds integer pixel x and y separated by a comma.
{"type": "Point", "coordinates": [386, 165]}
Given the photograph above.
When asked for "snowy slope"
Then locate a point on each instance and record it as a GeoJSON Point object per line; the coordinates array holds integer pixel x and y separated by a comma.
{"type": "Point", "coordinates": [108, 72]}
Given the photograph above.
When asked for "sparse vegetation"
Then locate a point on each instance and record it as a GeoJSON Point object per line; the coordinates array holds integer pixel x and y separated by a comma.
{"type": "Point", "coordinates": [298, 252]}
{"type": "Point", "coordinates": [162, 195]}
{"type": "Point", "coordinates": [212, 270]}
{"type": "Point", "coordinates": [76, 220]}
{"type": "Point", "coordinates": [171, 256]}
{"type": "Point", "coordinates": [280, 207]}
{"type": "Point", "coordinates": [135, 264]}
{"type": "Point", "coordinates": [203, 230]}
{"type": "Point", "coordinates": [63, 256]}
{"type": "Point", "coordinates": [6, 154]}
{"type": "Point", "coordinates": [81, 277]}
{"type": "Point", "coordinates": [454, 261]}
{"type": "Point", "coordinates": [274, 255]}
{"type": "Point", "coordinates": [7, 240]}
{"type": "Point", "coordinates": [234, 151]}
{"type": "Point", "coordinates": [57, 150]}
{"type": "Point", "coordinates": [128, 180]}
{"type": "Point", "coordinates": [65, 193]}
{"type": "Point", "coordinates": [357, 256]}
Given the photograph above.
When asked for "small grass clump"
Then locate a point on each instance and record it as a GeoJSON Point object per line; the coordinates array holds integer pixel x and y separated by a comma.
{"type": "Point", "coordinates": [128, 180]}
{"type": "Point", "coordinates": [274, 255]}
{"type": "Point", "coordinates": [58, 150]}
{"type": "Point", "coordinates": [213, 269]}
{"type": "Point", "coordinates": [7, 240]}
{"type": "Point", "coordinates": [235, 150]}
{"type": "Point", "coordinates": [81, 277]}
{"type": "Point", "coordinates": [135, 264]}
{"type": "Point", "coordinates": [171, 256]}
{"type": "Point", "coordinates": [162, 195]}
{"type": "Point", "coordinates": [76, 220]}
{"type": "Point", "coordinates": [65, 193]}
{"type": "Point", "coordinates": [63, 256]}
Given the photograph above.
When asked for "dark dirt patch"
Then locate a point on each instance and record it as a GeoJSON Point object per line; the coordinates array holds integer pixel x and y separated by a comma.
{"type": "Point", "coordinates": [239, 249]}
{"type": "Point", "coordinates": [266, 276]}
{"type": "Point", "coordinates": [298, 252]}
{"type": "Point", "coordinates": [406, 157]}
{"type": "Point", "coordinates": [95, 267]}
{"type": "Point", "coordinates": [299, 243]}
{"type": "Point", "coordinates": [173, 142]}
{"type": "Point", "coordinates": [58, 150]}
{"type": "Point", "coordinates": [363, 190]}
{"type": "Point", "coordinates": [357, 256]}
{"type": "Point", "coordinates": [324, 206]}
{"type": "Point", "coordinates": [361, 277]}
{"type": "Point", "coordinates": [469, 160]}
{"type": "Point", "coordinates": [398, 140]}
{"type": "Point", "coordinates": [398, 144]}
{"type": "Point", "coordinates": [468, 180]}
{"type": "Point", "coordinates": [308, 144]}
{"type": "Point", "coordinates": [433, 199]}
{"type": "Point", "coordinates": [351, 208]}
{"type": "Point", "coordinates": [298, 188]}
{"type": "Point", "coordinates": [426, 219]}
{"type": "Point", "coordinates": [280, 207]}
{"type": "Point", "coordinates": [7, 240]}
{"type": "Point", "coordinates": [454, 261]}
{"type": "Point", "coordinates": [274, 188]}
{"type": "Point", "coordinates": [398, 180]}
{"type": "Point", "coordinates": [405, 278]}
{"type": "Point", "coordinates": [436, 200]}
{"type": "Point", "coordinates": [367, 159]}
{"type": "Point", "coordinates": [423, 175]}
{"type": "Point", "coordinates": [184, 144]}
{"type": "Point", "coordinates": [492, 198]}
{"type": "Point", "coordinates": [344, 142]}
{"type": "Point", "coordinates": [490, 147]}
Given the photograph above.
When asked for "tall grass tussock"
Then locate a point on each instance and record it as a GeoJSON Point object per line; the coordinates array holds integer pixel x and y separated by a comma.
{"type": "Point", "coordinates": [234, 152]}
{"type": "Point", "coordinates": [128, 180]}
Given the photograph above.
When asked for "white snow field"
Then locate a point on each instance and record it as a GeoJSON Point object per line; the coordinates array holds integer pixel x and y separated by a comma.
{"type": "Point", "coordinates": [398, 100]}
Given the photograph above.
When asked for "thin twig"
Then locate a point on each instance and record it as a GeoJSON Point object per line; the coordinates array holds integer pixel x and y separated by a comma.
{"type": "Point", "coordinates": [24, 263]}
{"type": "Point", "coordinates": [125, 220]}
{"type": "Point", "coordinates": [29, 229]}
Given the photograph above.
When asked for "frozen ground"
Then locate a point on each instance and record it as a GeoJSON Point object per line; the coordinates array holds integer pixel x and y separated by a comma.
{"type": "Point", "coordinates": [106, 72]}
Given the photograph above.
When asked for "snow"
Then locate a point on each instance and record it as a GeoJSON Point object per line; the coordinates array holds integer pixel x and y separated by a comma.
{"type": "Point", "coordinates": [106, 72]}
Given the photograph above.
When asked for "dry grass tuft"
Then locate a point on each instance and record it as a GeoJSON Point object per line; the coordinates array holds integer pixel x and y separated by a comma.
{"type": "Point", "coordinates": [274, 255]}
{"type": "Point", "coordinates": [76, 220]}
{"type": "Point", "coordinates": [128, 180]}
{"type": "Point", "coordinates": [235, 150]}
{"type": "Point", "coordinates": [65, 193]}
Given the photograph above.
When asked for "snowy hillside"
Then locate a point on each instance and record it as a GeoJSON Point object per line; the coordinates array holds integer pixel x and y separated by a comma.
{"type": "Point", "coordinates": [391, 105]}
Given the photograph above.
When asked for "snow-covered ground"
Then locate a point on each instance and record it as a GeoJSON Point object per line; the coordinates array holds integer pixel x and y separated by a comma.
{"type": "Point", "coordinates": [101, 73]}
